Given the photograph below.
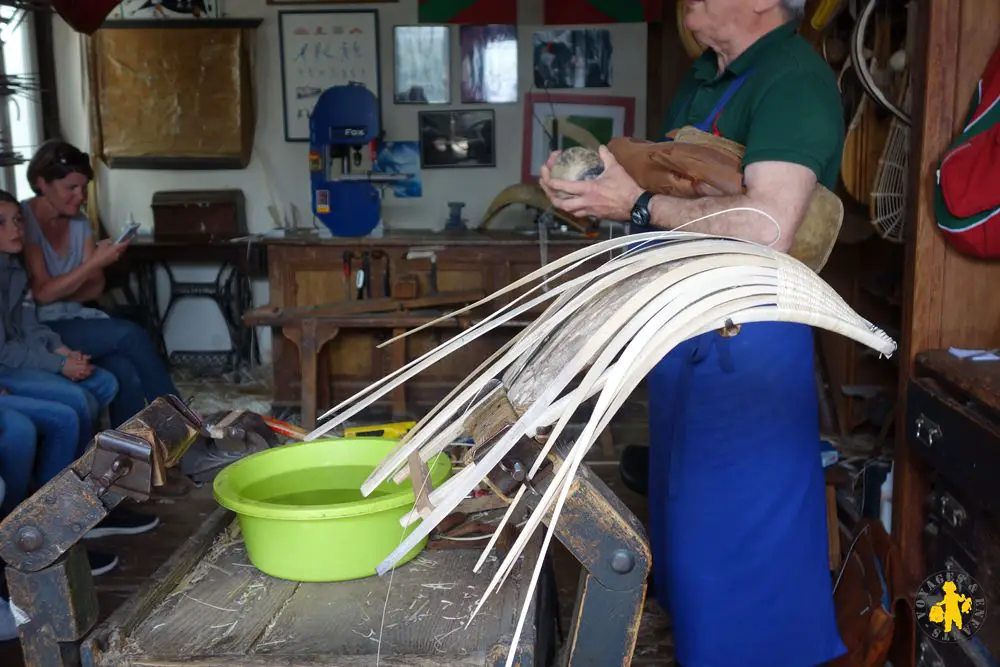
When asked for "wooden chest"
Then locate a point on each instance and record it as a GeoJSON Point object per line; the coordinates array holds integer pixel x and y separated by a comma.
{"type": "Point", "coordinates": [953, 424]}
{"type": "Point", "coordinates": [199, 215]}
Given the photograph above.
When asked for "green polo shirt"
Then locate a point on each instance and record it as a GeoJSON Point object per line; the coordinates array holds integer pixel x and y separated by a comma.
{"type": "Point", "coordinates": [788, 109]}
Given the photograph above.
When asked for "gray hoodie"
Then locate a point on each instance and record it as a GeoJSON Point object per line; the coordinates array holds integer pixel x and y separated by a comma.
{"type": "Point", "coordinates": [24, 342]}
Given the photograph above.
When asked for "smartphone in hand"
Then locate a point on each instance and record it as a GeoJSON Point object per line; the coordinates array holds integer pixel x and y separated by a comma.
{"type": "Point", "coordinates": [128, 233]}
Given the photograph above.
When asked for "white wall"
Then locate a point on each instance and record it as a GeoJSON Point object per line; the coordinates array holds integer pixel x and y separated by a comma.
{"type": "Point", "coordinates": [278, 171]}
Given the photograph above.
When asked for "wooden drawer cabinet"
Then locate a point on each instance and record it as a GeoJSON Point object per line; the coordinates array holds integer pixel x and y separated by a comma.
{"type": "Point", "coordinates": [957, 438]}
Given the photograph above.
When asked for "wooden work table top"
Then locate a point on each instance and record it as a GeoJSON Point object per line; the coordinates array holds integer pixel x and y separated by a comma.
{"type": "Point", "coordinates": [980, 380]}
{"type": "Point", "coordinates": [426, 237]}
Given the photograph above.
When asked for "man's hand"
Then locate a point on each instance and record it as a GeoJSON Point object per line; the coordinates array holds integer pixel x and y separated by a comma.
{"type": "Point", "coordinates": [610, 196]}
{"type": "Point", "coordinates": [76, 369]}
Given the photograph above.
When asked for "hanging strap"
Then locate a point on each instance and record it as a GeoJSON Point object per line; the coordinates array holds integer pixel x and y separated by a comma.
{"type": "Point", "coordinates": [710, 123]}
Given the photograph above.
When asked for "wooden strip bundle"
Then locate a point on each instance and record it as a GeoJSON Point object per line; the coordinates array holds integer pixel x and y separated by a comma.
{"type": "Point", "coordinates": [600, 336]}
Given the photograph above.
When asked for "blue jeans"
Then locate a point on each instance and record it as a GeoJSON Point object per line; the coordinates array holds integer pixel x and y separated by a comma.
{"type": "Point", "coordinates": [123, 348]}
{"type": "Point", "coordinates": [37, 438]}
{"type": "Point", "coordinates": [86, 397]}
{"type": "Point", "coordinates": [17, 457]}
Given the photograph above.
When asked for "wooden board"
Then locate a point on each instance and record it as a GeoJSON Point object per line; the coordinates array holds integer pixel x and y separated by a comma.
{"type": "Point", "coordinates": [141, 116]}
{"type": "Point", "coordinates": [219, 609]}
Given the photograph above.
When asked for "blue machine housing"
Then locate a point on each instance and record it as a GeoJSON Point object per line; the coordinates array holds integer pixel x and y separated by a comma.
{"type": "Point", "coordinates": [344, 122]}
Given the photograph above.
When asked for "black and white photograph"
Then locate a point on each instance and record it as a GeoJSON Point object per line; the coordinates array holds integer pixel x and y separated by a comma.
{"type": "Point", "coordinates": [422, 60]}
{"type": "Point", "coordinates": [457, 138]}
{"type": "Point", "coordinates": [572, 59]}
{"type": "Point", "coordinates": [489, 63]}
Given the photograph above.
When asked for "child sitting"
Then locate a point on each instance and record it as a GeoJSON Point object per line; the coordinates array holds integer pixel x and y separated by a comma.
{"type": "Point", "coordinates": [34, 362]}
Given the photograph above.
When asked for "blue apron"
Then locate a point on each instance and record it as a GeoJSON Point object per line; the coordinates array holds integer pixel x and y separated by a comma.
{"type": "Point", "coordinates": [737, 497]}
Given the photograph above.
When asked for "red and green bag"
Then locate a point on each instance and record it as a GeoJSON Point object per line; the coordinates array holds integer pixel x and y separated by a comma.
{"type": "Point", "coordinates": [967, 196]}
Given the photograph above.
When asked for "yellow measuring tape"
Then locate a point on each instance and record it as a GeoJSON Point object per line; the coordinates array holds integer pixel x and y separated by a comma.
{"type": "Point", "coordinates": [394, 430]}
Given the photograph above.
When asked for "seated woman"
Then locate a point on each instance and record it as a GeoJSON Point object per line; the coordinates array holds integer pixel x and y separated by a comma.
{"type": "Point", "coordinates": [67, 271]}
{"type": "Point", "coordinates": [35, 363]}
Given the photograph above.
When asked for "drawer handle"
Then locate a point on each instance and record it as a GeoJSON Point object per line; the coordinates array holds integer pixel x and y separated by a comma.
{"type": "Point", "coordinates": [927, 656]}
{"type": "Point", "coordinates": [953, 513]}
{"type": "Point", "coordinates": [927, 431]}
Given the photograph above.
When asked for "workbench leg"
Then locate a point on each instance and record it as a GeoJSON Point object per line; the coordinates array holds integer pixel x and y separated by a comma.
{"type": "Point", "coordinates": [55, 608]}
{"type": "Point", "coordinates": [309, 337]}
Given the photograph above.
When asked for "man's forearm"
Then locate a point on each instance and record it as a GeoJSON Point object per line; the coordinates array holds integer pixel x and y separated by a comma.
{"type": "Point", "coordinates": [668, 212]}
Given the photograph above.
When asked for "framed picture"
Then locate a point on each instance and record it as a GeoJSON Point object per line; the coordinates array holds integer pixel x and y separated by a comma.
{"type": "Point", "coordinates": [326, 2]}
{"type": "Point", "coordinates": [422, 64]}
{"type": "Point", "coordinates": [578, 58]}
{"type": "Point", "coordinates": [463, 138]}
{"type": "Point", "coordinates": [489, 63]}
{"type": "Point", "coordinates": [144, 9]}
{"type": "Point", "coordinates": [323, 48]}
{"type": "Point", "coordinates": [581, 120]}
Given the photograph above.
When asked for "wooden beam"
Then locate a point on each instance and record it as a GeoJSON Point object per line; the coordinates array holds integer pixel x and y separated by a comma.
{"type": "Point", "coordinates": [933, 118]}
{"type": "Point", "coordinates": [667, 63]}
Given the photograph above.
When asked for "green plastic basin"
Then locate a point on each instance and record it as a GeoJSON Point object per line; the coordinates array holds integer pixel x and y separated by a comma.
{"type": "Point", "coordinates": [303, 516]}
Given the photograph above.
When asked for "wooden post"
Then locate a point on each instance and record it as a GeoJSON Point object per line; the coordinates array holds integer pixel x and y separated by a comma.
{"type": "Point", "coordinates": [309, 337]}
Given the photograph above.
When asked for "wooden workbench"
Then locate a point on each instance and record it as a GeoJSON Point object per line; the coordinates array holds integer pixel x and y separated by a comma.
{"type": "Point", "coordinates": [209, 606]}
{"type": "Point", "coordinates": [312, 333]}
{"type": "Point", "coordinates": [307, 272]}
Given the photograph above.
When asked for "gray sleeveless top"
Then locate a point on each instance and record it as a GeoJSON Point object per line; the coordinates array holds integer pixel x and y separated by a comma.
{"type": "Point", "coordinates": [59, 265]}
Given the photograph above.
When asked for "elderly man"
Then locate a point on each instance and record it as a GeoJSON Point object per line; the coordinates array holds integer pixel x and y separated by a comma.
{"type": "Point", "coordinates": [737, 517]}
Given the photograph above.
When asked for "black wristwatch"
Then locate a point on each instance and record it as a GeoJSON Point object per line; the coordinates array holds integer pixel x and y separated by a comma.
{"type": "Point", "coordinates": [640, 210]}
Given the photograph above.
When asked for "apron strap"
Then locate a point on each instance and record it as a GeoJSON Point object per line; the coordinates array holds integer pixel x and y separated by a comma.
{"type": "Point", "coordinates": [709, 124]}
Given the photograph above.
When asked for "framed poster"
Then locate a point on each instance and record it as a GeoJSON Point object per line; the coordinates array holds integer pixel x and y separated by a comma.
{"type": "Point", "coordinates": [422, 64]}
{"type": "Point", "coordinates": [327, 2]}
{"type": "Point", "coordinates": [323, 48]}
{"type": "Point", "coordinates": [165, 9]}
{"type": "Point", "coordinates": [489, 63]}
{"type": "Point", "coordinates": [583, 120]}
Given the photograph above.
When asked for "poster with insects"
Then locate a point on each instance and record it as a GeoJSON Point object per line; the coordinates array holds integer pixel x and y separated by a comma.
{"type": "Point", "coordinates": [154, 9]}
{"type": "Point", "coordinates": [321, 49]}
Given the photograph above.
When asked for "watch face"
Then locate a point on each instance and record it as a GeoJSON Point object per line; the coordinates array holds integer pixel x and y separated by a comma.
{"type": "Point", "coordinates": [640, 216]}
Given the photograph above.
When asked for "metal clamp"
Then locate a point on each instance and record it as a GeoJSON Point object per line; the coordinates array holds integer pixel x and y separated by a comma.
{"type": "Point", "coordinates": [122, 463]}
{"type": "Point", "coordinates": [927, 431]}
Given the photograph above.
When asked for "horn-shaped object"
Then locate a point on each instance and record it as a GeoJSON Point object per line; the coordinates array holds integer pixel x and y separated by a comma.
{"type": "Point", "coordinates": [601, 334]}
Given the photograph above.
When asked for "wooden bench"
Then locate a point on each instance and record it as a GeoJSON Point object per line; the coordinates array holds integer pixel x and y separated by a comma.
{"type": "Point", "coordinates": [209, 606]}
{"type": "Point", "coordinates": [310, 328]}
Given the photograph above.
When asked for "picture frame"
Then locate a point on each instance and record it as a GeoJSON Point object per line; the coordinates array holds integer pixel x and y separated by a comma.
{"type": "Point", "coordinates": [327, 2]}
{"type": "Point", "coordinates": [421, 64]}
{"type": "Point", "coordinates": [140, 9]}
{"type": "Point", "coordinates": [321, 48]}
{"type": "Point", "coordinates": [459, 138]}
{"type": "Point", "coordinates": [584, 120]}
{"type": "Point", "coordinates": [488, 61]}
